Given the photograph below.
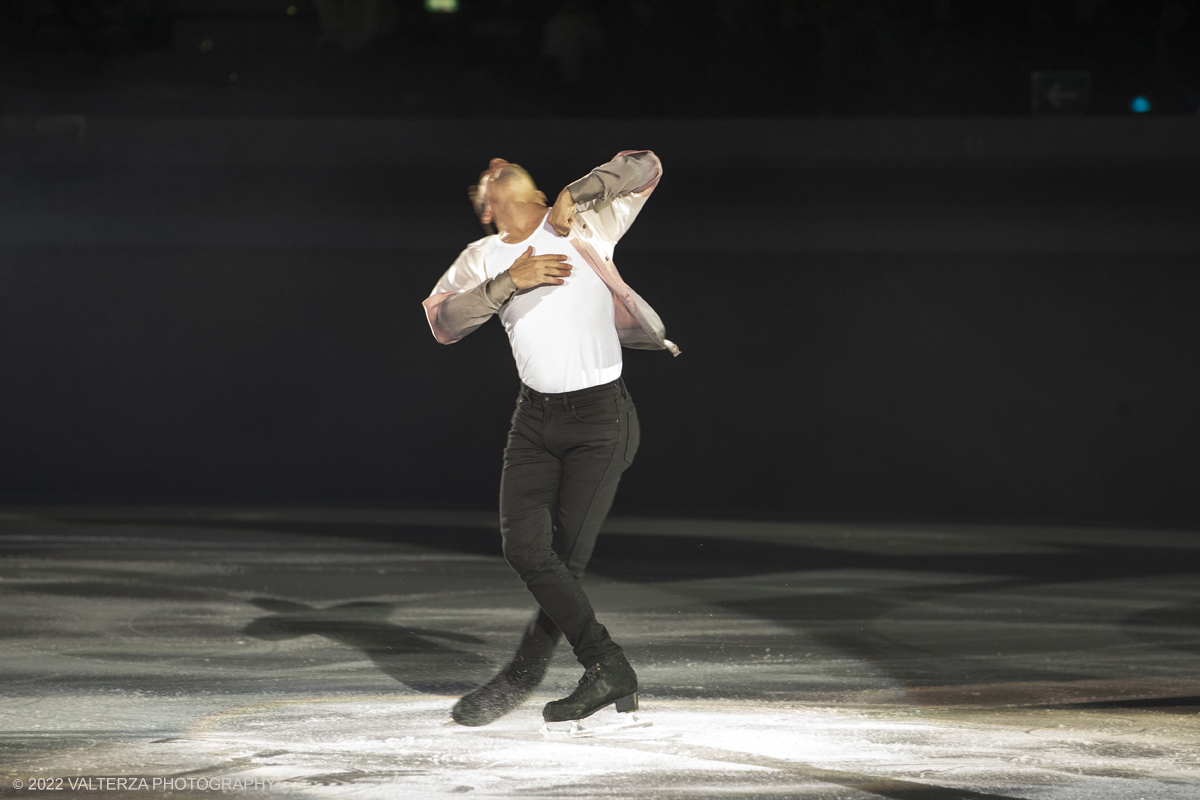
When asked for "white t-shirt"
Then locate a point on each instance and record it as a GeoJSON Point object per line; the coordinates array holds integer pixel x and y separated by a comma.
{"type": "Point", "coordinates": [563, 336]}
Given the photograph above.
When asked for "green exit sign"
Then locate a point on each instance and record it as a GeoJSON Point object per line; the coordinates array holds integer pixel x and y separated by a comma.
{"type": "Point", "coordinates": [1061, 91]}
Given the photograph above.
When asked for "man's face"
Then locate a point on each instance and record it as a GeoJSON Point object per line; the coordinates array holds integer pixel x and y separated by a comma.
{"type": "Point", "coordinates": [488, 191]}
{"type": "Point", "coordinates": [500, 188]}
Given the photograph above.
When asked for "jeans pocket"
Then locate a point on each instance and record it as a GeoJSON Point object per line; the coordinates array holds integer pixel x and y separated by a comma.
{"type": "Point", "coordinates": [602, 411]}
{"type": "Point", "coordinates": [633, 434]}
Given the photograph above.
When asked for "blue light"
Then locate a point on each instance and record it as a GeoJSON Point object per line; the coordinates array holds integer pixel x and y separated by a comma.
{"type": "Point", "coordinates": [1140, 105]}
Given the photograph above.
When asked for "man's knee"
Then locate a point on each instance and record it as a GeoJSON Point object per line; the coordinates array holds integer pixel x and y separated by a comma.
{"type": "Point", "coordinates": [529, 561]}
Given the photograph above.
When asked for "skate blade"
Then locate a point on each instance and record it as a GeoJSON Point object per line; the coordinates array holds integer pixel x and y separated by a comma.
{"type": "Point", "coordinates": [575, 728]}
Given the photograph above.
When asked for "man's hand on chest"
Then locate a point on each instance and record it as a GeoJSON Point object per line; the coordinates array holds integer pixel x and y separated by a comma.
{"type": "Point", "coordinates": [529, 270]}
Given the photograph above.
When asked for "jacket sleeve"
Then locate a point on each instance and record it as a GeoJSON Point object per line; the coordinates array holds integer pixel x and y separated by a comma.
{"type": "Point", "coordinates": [612, 194]}
{"type": "Point", "coordinates": [464, 298]}
{"type": "Point", "coordinates": [456, 315]}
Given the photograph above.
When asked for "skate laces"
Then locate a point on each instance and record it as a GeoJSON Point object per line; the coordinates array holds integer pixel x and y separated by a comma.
{"type": "Point", "coordinates": [590, 676]}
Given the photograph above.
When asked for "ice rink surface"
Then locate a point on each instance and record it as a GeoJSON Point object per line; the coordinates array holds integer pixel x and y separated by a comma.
{"type": "Point", "coordinates": [193, 652]}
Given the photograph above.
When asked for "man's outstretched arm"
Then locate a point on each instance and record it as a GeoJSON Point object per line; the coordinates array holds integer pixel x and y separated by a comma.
{"type": "Point", "coordinates": [630, 172]}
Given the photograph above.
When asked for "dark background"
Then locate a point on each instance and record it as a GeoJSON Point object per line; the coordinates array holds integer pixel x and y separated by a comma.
{"type": "Point", "coordinates": [627, 58]}
{"type": "Point", "coordinates": [899, 296]}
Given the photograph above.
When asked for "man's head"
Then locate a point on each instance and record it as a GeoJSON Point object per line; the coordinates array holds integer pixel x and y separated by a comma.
{"type": "Point", "coordinates": [501, 187]}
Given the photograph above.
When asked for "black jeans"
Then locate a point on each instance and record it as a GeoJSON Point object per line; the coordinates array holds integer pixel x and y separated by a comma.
{"type": "Point", "coordinates": [564, 458]}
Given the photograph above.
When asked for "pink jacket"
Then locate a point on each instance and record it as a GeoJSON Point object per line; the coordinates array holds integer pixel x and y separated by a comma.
{"type": "Point", "coordinates": [607, 201]}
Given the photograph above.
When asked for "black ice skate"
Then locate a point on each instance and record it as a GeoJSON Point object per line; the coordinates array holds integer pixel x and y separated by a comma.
{"type": "Point", "coordinates": [513, 685]}
{"type": "Point", "coordinates": [610, 682]}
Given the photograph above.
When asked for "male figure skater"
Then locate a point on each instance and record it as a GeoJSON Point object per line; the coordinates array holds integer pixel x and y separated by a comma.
{"type": "Point", "coordinates": [548, 273]}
